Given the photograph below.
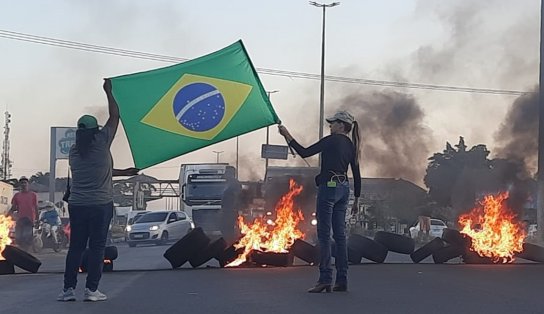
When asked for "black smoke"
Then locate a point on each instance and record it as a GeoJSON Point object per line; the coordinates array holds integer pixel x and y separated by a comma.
{"type": "Point", "coordinates": [395, 141]}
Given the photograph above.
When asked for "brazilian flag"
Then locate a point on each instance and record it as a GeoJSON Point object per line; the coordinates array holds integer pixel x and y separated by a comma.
{"type": "Point", "coordinates": [171, 111]}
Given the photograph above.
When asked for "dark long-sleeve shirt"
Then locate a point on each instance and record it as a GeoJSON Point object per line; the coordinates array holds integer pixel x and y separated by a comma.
{"type": "Point", "coordinates": [337, 153]}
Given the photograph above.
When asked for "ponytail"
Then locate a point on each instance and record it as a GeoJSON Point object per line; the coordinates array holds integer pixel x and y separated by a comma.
{"type": "Point", "coordinates": [356, 138]}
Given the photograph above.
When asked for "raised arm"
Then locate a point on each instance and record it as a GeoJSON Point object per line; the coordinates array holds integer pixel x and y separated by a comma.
{"type": "Point", "coordinates": [125, 172]}
{"type": "Point", "coordinates": [301, 150]}
{"type": "Point", "coordinates": [113, 120]}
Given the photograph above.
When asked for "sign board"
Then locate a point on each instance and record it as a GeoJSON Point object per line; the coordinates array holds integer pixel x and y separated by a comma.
{"type": "Point", "coordinates": [274, 151]}
{"type": "Point", "coordinates": [63, 139]}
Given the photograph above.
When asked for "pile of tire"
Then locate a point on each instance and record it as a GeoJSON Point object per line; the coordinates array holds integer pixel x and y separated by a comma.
{"type": "Point", "coordinates": [110, 254]}
{"type": "Point", "coordinates": [195, 248]}
{"type": "Point", "coordinates": [14, 256]}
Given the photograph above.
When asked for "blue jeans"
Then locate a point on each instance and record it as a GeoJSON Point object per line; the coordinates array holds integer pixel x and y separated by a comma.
{"type": "Point", "coordinates": [88, 224]}
{"type": "Point", "coordinates": [331, 213]}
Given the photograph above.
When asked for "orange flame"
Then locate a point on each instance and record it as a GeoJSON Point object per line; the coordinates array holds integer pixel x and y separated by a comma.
{"type": "Point", "coordinates": [495, 231]}
{"type": "Point", "coordinates": [275, 237]}
{"type": "Point", "coordinates": [6, 223]}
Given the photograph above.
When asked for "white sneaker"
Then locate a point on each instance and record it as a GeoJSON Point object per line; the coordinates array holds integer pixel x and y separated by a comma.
{"type": "Point", "coordinates": [67, 295]}
{"type": "Point", "coordinates": [94, 295]}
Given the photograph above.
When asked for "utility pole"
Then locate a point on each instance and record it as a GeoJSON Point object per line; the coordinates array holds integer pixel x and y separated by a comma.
{"type": "Point", "coordinates": [6, 162]}
{"type": "Point", "coordinates": [237, 151]}
{"type": "Point", "coordinates": [268, 131]}
{"type": "Point", "coordinates": [540, 173]}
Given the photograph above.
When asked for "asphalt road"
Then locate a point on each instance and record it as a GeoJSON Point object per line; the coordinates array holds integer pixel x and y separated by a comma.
{"type": "Point", "coordinates": [144, 283]}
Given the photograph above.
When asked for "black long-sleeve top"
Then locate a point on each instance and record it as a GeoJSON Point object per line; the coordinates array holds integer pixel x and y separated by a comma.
{"type": "Point", "coordinates": [337, 152]}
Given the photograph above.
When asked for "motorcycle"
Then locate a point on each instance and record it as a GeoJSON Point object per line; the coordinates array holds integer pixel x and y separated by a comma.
{"type": "Point", "coordinates": [46, 236]}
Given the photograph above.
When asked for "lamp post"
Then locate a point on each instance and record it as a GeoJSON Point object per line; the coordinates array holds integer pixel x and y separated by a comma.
{"type": "Point", "coordinates": [268, 131]}
{"type": "Point", "coordinates": [217, 157]}
{"type": "Point", "coordinates": [540, 173]}
{"type": "Point", "coordinates": [322, 94]}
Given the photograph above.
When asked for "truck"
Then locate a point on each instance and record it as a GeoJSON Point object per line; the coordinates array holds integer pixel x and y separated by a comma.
{"type": "Point", "coordinates": [202, 186]}
{"type": "Point", "coordinates": [6, 194]}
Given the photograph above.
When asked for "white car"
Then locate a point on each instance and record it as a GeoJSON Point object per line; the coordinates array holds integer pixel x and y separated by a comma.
{"type": "Point", "coordinates": [159, 227]}
{"type": "Point", "coordinates": [437, 227]}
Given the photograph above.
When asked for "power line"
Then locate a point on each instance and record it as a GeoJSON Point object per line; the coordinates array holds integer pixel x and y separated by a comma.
{"type": "Point", "coordinates": [274, 72]}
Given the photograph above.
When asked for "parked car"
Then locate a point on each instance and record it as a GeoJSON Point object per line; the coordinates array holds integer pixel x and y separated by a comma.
{"type": "Point", "coordinates": [437, 227]}
{"type": "Point", "coordinates": [159, 227]}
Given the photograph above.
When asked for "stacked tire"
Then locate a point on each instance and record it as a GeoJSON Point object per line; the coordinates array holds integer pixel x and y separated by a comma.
{"type": "Point", "coordinates": [194, 246]}
{"type": "Point", "coordinates": [360, 246]}
{"type": "Point", "coordinates": [14, 256]}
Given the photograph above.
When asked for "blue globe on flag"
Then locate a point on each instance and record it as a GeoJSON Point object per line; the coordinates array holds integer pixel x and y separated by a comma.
{"type": "Point", "coordinates": [199, 107]}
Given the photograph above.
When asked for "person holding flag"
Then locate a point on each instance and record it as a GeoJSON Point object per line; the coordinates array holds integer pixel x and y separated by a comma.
{"type": "Point", "coordinates": [90, 203]}
{"type": "Point", "coordinates": [337, 153]}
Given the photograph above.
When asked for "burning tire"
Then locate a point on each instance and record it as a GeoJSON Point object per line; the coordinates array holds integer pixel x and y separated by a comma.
{"type": "Point", "coordinates": [21, 259]}
{"type": "Point", "coordinates": [305, 251]}
{"type": "Point", "coordinates": [427, 250]}
{"type": "Point", "coordinates": [471, 257]}
{"type": "Point", "coordinates": [6, 268]}
{"type": "Point", "coordinates": [454, 237]}
{"type": "Point", "coordinates": [111, 253]}
{"type": "Point", "coordinates": [532, 252]}
{"type": "Point", "coordinates": [395, 242]}
{"type": "Point", "coordinates": [367, 247]}
{"type": "Point", "coordinates": [214, 249]}
{"type": "Point", "coordinates": [229, 255]}
{"type": "Point", "coordinates": [187, 247]}
{"type": "Point", "coordinates": [108, 267]}
{"type": "Point", "coordinates": [272, 258]}
{"type": "Point", "coordinates": [446, 253]}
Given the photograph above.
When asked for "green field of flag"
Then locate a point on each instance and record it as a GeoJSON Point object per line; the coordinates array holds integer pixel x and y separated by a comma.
{"type": "Point", "coordinates": [171, 111]}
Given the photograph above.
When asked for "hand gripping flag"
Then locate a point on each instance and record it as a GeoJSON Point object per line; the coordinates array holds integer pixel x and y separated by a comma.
{"type": "Point", "coordinates": [171, 111]}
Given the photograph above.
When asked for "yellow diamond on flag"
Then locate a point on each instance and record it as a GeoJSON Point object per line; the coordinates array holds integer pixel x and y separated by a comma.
{"type": "Point", "coordinates": [198, 106]}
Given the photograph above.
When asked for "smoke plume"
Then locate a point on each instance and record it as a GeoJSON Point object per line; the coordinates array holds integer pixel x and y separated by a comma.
{"type": "Point", "coordinates": [395, 142]}
{"type": "Point", "coordinates": [517, 136]}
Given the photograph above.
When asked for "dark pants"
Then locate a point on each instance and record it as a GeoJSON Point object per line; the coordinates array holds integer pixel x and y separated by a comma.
{"type": "Point", "coordinates": [331, 213]}
{"type": "Point", "coordinates": [24, 232]}
{"type": "Point", "coordinates": [89, 224]}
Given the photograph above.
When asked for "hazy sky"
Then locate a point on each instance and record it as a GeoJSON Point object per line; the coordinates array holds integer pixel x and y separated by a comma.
{"type": "Point", "coordinates": [469, 43]}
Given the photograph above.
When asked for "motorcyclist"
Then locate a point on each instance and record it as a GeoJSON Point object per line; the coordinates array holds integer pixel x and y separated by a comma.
{"type": "Point", "coordinates": [51, 220]}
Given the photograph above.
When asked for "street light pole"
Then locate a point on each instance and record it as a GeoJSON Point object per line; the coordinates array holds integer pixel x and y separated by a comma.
{"type": "Point", "coordinates": [268, 131]}
{"type": "Point", "coordinates": [322, 93]}
{"type": "Point", "coordinates": [217, 157]}
{"type": "Point", "coordinates": [540, 173]}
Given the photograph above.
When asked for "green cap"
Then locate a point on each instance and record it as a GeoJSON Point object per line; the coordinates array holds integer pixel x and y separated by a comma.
{"type": "Point", "coordinates": [87, 122]}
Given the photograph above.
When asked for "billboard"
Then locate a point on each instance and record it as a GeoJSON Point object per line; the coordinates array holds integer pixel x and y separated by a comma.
{"type": "Point", "coordinates": [64, 138]}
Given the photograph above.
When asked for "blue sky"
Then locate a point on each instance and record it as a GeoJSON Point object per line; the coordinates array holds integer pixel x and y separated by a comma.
{"type": "Point", "coordinates": [484, 44]}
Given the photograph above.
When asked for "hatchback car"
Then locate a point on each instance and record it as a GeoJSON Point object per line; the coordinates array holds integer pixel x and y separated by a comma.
{"type": "Point", "coordinates": [437, 227]}
{"type": "Point", "coordinates": [159, 227]}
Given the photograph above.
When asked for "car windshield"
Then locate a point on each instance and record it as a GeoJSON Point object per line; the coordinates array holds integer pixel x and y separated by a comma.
{"type": "Point", "coordinates": [135, 218]}
{"type": "Point", "coordinates": [152, 217]}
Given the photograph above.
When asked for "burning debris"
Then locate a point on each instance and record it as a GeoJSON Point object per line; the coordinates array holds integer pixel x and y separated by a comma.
{"type": "Point", "coordinates": [493, 229]}
{"type": "Point", "coordinates": [277, 237]}
{"type": "Point", "coordinates": [6, 224]}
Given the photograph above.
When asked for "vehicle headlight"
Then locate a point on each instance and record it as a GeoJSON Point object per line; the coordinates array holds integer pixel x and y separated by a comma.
{"type": "Point", "coordinates": [192, 225]}
{"type": "Point", "coordinates": [314, 222]}
{"type": "Point", "coordinates": [128, 228]}
{"type": "Point", "coordinates": [154, 228]}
